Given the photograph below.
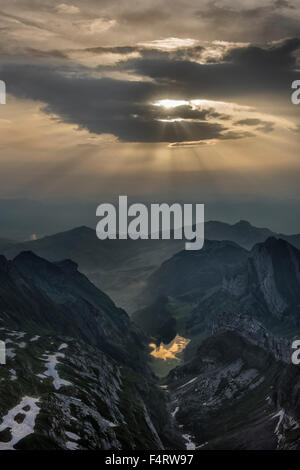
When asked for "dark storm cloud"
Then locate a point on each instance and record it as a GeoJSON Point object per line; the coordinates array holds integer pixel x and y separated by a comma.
{"type": "Point", "coordinates": [246, 70]}
{"type": "Point", "coordinates": [104, 106]}
{"type": "Point", "coordinates": [125, 108]}
{"type": "Point", "coordinates": [280, 56]}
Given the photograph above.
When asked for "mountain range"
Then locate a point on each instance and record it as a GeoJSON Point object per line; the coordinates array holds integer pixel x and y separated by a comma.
{"type": "Point", "coordinates": [122, 267]}
{"type": "Point", "coordinates": [79, 369]}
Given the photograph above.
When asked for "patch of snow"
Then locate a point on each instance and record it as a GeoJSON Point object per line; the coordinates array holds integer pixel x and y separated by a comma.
{"type": "Point", "coordinates": [72, 436]}
{"type": "Point", "coordinates": [71, 445]}
{"type": "Point", "coordinates": [35, 338]}
{"type": "Point", "coordinates": [51, 371]}
{"type": "Point", "coordinates": [19, 430]}
{"type": "Point", "coordinates": [110, 424]}
{"type": "Point", "coordinates": [10, 352]}
{"type": "Point", "coordinates": [190, 445]}
{"type": "Point", "coordinates": [41, 376]}
{"type": "Point", "coordinates": [175, 412]}
{"type": "Point", "coordinates": [187, 383]}
{"type": "Point", "coordinates": [279, 415]}
{"type": "Point", "coordinates": [13, 374]}
{"type": "Point", "coordinates": [62, 346]}
{"type": "Point", "coordinates": [202, 445]}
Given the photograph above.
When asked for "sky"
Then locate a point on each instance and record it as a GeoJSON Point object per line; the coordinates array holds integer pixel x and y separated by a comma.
{"type": "Point", "coordinates": [174, 101]}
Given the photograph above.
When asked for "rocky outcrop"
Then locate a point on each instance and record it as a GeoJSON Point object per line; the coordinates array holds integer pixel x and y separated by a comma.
{"type": "Point", "coordinates": [265, 286]}
{"type": "Point", "coordinates": [239, 391]}
{"type": "Point", "coordinates": [254, 333]}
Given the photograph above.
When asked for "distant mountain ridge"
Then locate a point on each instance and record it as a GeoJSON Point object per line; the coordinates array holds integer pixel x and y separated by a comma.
{"type": "Point", "coordinates": [122, 267]}
{"type": "Point", "coordinates": [245, 234]}
{"type": "Point", "coordinates": [82, 245]}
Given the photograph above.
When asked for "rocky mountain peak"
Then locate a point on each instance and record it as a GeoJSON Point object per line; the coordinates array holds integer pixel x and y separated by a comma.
{"type": "Point", "coordinates": [243, 224]}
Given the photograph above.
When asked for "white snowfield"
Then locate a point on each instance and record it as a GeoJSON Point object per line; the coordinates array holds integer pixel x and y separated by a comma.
{"type": "Point", "coordinates": [19, 430]}
{"type": "Point", "coordinates": [51, 371]}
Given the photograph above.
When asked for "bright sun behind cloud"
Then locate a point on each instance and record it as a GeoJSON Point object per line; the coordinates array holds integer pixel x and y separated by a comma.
{"type": "Point", "coordinates": [168, 104]}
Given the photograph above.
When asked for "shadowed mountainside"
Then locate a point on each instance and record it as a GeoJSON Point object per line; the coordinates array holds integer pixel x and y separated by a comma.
{"type": "Point", "coordinates": [122, 267]}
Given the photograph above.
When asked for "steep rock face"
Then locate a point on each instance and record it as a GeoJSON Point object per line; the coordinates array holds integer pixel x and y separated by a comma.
{"type": "Point", "coordinates": [263, 266]}
{"type": "Point", "coordinates": [254, 333]}
{"type": "Point", "coordinates": [277, 264]}
{"type": "Point", "coordinates": [233, 393]}
{"type": "Point", "coordinates": [273, 268]}
{"type": "Point", "coordinates": [266, 286]}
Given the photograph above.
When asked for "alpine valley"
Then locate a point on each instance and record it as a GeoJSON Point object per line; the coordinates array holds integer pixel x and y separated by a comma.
{"type": "Point", "coordinates": [202, 360]}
